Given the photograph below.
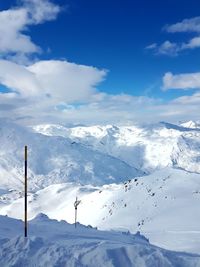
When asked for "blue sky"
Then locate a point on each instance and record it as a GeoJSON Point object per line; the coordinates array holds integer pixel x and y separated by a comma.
{"type": "Point", "coordinates": [128, 39]}
{"type": "Point", "coordinates": [113, 35]}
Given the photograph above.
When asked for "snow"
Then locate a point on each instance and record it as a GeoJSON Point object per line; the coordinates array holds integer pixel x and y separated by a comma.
{"type": "Point", "coordinates": [147, 148]}
{"type": "Point", "coordinates": [164, 206]}
{"type": "Point", "coordinates": [52, 243]}
{"type": "Point", "coordinates": [54, 160]}
{"type": "Point", "coordinates": [191, 124]}
{"type": "Point", "coordinates": [128, 178]}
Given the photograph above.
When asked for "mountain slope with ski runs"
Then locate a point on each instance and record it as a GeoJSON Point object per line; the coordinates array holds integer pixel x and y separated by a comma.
{"type": "Point", "coordinates": [128, 178]}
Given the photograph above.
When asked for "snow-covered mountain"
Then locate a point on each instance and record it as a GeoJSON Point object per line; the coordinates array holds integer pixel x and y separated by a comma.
{"type": "Point", "coordinates": [191, 124]}
{"type": "Point", "coordinates": [142, 178]}
{"type": "Point", "coordinates": [55, 160]}
{"type": "Point", "coordinates": [146, 148]}
{"type": "Point", "coordinates": [52, 243]}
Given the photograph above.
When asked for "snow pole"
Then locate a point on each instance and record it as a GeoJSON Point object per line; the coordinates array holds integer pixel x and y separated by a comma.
{"type": "Point", "coordinates": [25, 192]}
{"type": "Point", "coordinates": [76, 203]}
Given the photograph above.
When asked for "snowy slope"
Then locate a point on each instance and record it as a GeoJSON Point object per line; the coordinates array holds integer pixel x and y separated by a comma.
{"type": "Point", "coordinates": [52, 243]}
{"type": "Point", "coordinates": [164, 206]}
{"type": "Point", "coordinates": [147, 148]}
{"type": "Point", "coordinates": [54, 160]}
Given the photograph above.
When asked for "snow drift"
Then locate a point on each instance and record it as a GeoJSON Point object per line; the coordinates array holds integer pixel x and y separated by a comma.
{"type": "Point", "coordinates": [52, 243]}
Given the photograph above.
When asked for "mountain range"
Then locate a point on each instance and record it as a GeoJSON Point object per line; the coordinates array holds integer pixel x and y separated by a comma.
{"type": "Point", "coordinates": [132, 178]}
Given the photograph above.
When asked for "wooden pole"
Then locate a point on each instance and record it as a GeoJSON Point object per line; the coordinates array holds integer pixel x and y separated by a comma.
{"type": "Point", "coordinates": [25, 192]}
{"type": "Point", "coordinates": [75, 205]}
{"type": "Point", "coordinates": [75, 216]}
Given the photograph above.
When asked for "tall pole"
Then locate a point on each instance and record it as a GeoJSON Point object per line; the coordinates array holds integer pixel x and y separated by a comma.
{"type": "Point", "coordinates": [25, 192]}
{"type": "Point", "coordinates": [75, 215]}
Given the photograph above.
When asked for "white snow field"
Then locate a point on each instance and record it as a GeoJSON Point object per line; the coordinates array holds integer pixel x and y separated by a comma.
{"type": "Point", "coordinates": [136, 178]}
{"type": "Point", "coordinates": [164, 206]}
{"type": "Point", "coordinates": [52, 243]}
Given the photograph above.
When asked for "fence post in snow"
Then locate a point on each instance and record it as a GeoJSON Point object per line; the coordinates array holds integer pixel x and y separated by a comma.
{"type": "Point", "coordinates": [25, 192]}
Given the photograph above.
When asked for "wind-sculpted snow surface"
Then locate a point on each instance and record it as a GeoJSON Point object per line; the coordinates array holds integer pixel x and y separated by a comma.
{"type": "Point", "coordinates": [52, 243]}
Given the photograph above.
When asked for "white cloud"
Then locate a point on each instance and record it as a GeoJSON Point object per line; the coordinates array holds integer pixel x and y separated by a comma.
{"type": "Point", "coordinates": [187, 25]}
{"type": "Point", "coordinates": [192, 44]}
{"type": "Point", "coordinates": [62, 80]}
{"type": "Point", "coordinates": [19, 79]}
{"type": "Point", "coordinates": [137, 109]}
{"type": "Point", "coordinates": [174, 48]}
{"type": "Point", "coordinates": [151, 46]}
{"type": "Point", "coordinates": [63, 92]}
{"type": "Point", "coordinates": [12, 40]}
{"type": "Point", "coordinates": [59, 91]}
{"type": "Point", "coordinates": [191, 100]}
{"type": "Point", "coordinates": [40, 11]}
{"type": "Point", "coordinates": [181, 81]}
{"type": "Point", "coordinates": [45, 85]}
{"type": "Point", "coordinates": [113, 109]}
{"type": "Point", "coordinates": [57, 80]}
{"type": "Point", "coordinates": [15, 22]}
{"type": "Point", "coordinates": [182, 108]}
{"type": "Point", "coordinates": [168, 48]}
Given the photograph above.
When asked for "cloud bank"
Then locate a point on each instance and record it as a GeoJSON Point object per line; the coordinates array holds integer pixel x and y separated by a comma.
{"type": "Point", "coordinates": [58, 91]}
{"type": "Point", "coordinates": [63, 92]}
{"type": "Point", "coordinates": [181, 81]}
{"type": "Point", "coordinates": [48, 85]}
